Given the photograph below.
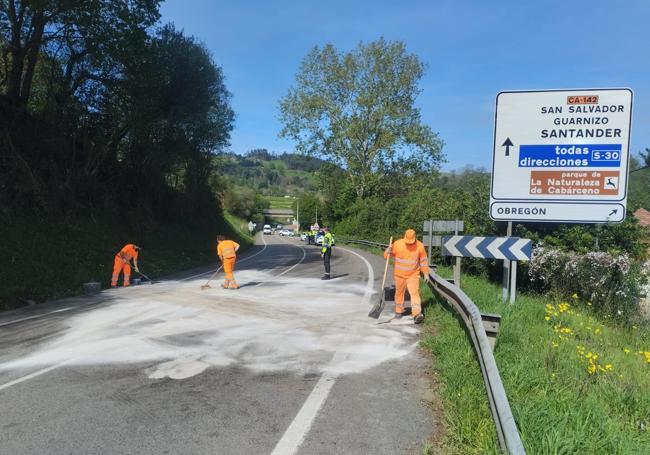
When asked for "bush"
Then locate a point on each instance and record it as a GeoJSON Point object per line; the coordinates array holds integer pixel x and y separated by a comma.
{"type": "Point", "coordinates": [612, 284]}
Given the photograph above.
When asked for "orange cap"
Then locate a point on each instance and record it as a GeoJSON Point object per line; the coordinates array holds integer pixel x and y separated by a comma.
{"type": "Point", "coordinates": [409, 236]}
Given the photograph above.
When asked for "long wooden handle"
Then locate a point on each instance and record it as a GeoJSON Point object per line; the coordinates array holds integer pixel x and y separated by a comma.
{"type": "Point", "coordinates": [383, 282]}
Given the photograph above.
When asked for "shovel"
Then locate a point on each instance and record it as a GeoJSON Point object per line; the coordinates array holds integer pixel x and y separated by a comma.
{"type": "Point", "coordinates": [379, 306]}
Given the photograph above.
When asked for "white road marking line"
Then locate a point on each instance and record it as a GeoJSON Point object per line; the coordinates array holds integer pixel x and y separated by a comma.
{"type": "Point", "coordinates": [304, 255]}
{"type": "Point", "coordinates": [370, 284]}
{"type": "Point", "coordinates": [32, 375]}
{"type": "Point", "coordinates": [36, 316]}
{"type": "Point", "coordinates": [294, 436]}
{"type": "Point", "coordinates": [301, 424]}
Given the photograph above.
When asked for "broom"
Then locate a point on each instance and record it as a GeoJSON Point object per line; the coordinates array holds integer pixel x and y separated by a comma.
{"type": "Point", "coordinates": [207, 284]}
{"type": "Point", "coordinates": [379, 306]}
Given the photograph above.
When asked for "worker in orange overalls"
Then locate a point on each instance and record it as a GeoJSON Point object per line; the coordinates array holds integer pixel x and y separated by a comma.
{"type": "Point", "coordinates": [410, 260]}
{"type": "Point", "coordinates": [123, 263]}
{"type": "Point", "coordinates": [227, 252]}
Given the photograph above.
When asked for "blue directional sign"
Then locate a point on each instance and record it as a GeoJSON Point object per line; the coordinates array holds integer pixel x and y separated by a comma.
{"type": "Point", "coordinates": [508, 248]}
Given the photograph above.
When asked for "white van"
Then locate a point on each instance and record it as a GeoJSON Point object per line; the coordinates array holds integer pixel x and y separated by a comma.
{"type": "Point", "coordinates": [267, 229]}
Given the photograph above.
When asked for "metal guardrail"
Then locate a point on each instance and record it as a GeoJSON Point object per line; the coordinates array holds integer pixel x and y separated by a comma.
{"type": "Point", "coordinates": [509, 438]}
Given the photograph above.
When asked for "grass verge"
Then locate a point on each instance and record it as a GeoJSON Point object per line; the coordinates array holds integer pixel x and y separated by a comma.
{"type": "Point", "coordinates": [280, 202]}
{"type": "Point", "coordinates": [43, 259]}
{"type": "Point", "coordinates": [576, 383]}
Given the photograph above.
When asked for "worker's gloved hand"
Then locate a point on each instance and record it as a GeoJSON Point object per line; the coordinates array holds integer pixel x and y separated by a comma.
{"type": "Point", "coordinates": [322, 255]}
{"type": "Point", "coordinates": [137, 270]}
{"type": "Point", "coordinates": [427, 278]}
{"type": "Point", "coordinates": [388, 251]}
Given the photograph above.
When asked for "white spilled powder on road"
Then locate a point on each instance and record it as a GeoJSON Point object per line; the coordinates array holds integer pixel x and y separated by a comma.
{"type": "Point", "coordinates": [286, 324]}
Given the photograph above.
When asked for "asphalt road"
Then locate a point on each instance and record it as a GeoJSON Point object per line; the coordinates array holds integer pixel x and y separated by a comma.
{"type": "Point", "coordinates": [286, 364]}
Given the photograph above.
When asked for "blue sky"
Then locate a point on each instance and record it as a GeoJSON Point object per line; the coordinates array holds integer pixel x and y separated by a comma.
{"type": "Point", "coordinates": [473, 49]}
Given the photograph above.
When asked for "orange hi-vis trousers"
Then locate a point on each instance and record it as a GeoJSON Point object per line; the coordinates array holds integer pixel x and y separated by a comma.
{"type": "Point", "coordinates": [228, 268]}
{"type": "Point", "coordinates": [119, 265]}
{"type": "Point", "coordinates": [413, 284]}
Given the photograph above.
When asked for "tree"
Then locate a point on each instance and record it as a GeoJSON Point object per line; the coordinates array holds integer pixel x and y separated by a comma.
{"type": "Point", "coordinates": [357, 108]}
{"type": "Point", "coordinates": [646, 156]}
{"type": "Point", "coordinates": [85, 37]}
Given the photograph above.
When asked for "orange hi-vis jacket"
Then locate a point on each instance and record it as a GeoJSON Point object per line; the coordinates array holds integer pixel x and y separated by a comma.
{"type": "Point", "coordinates": [128, 252]}
{"type": "Point", "coordinates": [409, 259]}
{"type": "Point", "coordinates": [227, 249]}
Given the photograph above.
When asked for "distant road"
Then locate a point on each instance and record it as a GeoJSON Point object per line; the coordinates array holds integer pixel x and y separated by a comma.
{"type": "Point", "coordinates": [286, 364]}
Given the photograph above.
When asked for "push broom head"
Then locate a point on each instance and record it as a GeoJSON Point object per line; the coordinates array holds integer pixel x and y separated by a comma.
{"type": "Point", "coordinates": [376, 310]}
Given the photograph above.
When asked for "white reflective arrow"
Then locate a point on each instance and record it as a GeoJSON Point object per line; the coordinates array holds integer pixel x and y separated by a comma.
{"type": "Point", "coordinates": [471, 247]}
{"type": "Point", "coordinates": [493, 247]}
{"type": "Point", "coordinates": [451, 245]}
{"type": "Point", "coordinates": [516, 249]}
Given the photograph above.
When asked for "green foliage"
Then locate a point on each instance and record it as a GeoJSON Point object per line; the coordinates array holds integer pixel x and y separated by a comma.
{"type": "Point", "coordinates": [639, 190]}
{"type": "Point", "coordinates": [611, 283]}
{"type": "Point", "coordinates": [558, 405]}
{"type": "Point", "coordinates": [310, 204]}
{"type": "Point", "coordinates": [50, 257]}
{"type": "Point", "coordinates": [357, 108]}
{"type": "Point", "coordinates": [244, 203]}
{"type": "Point", "coordinates": [269, 174]}
{"type": "Point", "coordinates": [107, 126]}
{"type": "Point", "coordinates": [111, 104]}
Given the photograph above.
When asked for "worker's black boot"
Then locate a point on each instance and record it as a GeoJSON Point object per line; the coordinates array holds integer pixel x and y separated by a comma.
{"type": "Point", "coordinates": [418, 319]}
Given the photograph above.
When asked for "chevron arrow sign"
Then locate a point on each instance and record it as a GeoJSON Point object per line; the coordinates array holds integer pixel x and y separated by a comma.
{"type": "Point", "coordinates": [508, 248]}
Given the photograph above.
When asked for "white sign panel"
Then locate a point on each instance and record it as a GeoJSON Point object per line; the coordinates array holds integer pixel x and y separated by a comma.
{"type": "Point", "coordinates": [561, 156]}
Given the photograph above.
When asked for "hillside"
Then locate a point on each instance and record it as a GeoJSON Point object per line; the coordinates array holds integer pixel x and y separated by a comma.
{"type": "Point", "coordinates": [270, 174]}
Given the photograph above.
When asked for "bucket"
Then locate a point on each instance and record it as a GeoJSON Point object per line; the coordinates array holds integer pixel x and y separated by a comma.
{"type": "Point", "coordinates": [389, 294]}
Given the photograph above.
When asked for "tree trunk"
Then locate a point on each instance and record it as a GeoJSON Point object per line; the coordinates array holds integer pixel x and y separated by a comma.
{"type": "Point", "coordinates": [33, 50]}
{"type": "Point", "coordinates": [23, 56]}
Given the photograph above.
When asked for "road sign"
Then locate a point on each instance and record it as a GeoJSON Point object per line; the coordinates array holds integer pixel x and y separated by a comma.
{"type": "Point", "coordinates": [561, 156]}
{"type": "Point", "coordinates": [443, 225]}
{"type": "Point", "coordinates": [508, 248]}
{"type": "Point", "coordinates": [432, 240]}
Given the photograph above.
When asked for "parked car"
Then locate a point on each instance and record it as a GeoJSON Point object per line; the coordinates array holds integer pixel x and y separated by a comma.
{"type": "Point", "coordinates": [320, 236]}
{"type": "Point", "coordinates": [267, 229]}
{"type": "Point", "coordinates": [286, 233]}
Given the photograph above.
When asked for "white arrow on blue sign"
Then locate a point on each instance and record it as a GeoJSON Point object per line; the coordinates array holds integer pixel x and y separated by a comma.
{"type": "Point", "coordinates": [507, 248]}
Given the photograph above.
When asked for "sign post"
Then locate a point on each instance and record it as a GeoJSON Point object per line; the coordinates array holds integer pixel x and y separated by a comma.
{"type": "Point", "coordinates": [430, 240]}
{"type": "Point", "coordinates": [561, 156]}
{"type": "Point", "coordinates": [458, 259]}
{"type": "Point", "coordinates": [506, 269]}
